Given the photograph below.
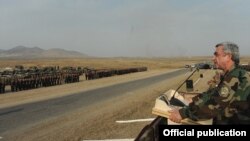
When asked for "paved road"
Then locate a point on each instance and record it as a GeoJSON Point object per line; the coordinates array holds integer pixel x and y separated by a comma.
{"type": "Point", "coordinates": [13, 118]}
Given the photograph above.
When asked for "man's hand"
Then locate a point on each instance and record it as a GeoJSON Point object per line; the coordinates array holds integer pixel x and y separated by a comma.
{"type": "Point", "coordinates": [175, 116]}
{"type": "Point", "coordinates": [189, 99]}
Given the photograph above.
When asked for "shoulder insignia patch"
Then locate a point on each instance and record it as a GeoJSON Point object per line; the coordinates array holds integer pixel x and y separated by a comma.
{"type": "Point", "coordinates": [224, 91]}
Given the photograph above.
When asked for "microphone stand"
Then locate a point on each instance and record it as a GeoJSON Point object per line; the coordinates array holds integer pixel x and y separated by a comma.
{"type": "Point", "coordinates": [196, 69]}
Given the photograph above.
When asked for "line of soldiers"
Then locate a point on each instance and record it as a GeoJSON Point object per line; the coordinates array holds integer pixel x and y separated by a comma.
{"type": "Point", "coordinates": [36, 81]}
{"type": "Point", "coordinates": [95, 73]}
{"type": "Point", "coordinates": [2, 85]}
{"type": "Point", "coordinates": [20, 79]}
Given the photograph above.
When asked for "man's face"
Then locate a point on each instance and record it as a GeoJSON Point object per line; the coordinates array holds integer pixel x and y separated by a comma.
{"type": "Point", "coordinates": [220, 58]}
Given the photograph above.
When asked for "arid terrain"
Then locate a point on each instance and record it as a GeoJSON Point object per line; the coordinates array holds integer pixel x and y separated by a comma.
{"type": "Point", "coordinates": [88, 122]}
{"type": "Point", "coordinates": [151, 63]}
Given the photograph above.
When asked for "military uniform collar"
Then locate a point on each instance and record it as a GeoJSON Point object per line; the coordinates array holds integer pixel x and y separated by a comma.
{"type": "Point", "coordinates": [230, 70]}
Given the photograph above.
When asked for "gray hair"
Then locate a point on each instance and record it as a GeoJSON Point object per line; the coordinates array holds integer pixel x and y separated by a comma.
{"type": "Point", "coordinates": [232, 49]}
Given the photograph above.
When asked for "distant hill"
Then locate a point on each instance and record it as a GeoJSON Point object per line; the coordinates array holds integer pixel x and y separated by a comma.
{"type": "Point", "coordinates": [36, 52]}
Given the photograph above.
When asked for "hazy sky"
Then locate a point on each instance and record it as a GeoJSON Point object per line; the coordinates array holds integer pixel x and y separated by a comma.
{"type": "Point", "coordinates": [152, 28]}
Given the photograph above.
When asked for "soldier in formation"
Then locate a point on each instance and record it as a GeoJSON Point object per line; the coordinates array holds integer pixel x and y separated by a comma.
{"type": "Point", "coordinates": [2, 85]}
{"type": "Point", "coordinates": [28, 79]}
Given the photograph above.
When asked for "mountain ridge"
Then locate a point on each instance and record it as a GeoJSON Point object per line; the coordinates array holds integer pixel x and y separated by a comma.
{"type": "Point", "coordinates": [36, 52]}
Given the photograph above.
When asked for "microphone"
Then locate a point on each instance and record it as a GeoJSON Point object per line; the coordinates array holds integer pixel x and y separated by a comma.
{"type": "Point", "coordinates": [176, 101]}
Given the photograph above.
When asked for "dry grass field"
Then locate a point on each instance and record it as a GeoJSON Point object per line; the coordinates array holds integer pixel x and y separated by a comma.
{"type": "Point", "coordinates": [151, 63]}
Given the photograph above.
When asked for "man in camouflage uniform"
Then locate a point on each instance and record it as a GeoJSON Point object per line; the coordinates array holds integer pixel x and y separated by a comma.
{"type": "Point", "coordinates": [228, 102]}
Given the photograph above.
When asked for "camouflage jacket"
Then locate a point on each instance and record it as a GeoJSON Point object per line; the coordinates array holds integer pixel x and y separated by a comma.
{"type": "Point", "coordinates": [228, 103]}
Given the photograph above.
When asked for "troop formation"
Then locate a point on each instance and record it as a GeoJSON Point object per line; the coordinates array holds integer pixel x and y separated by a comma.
{"type": "Point", "coordinates": [20, 78]}
{"type": "Point", "coordinates": [99, 73]}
